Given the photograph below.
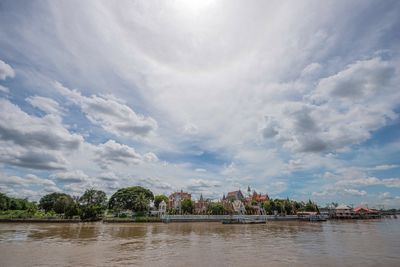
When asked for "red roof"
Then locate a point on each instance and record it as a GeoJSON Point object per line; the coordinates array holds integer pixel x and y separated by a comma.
{"type": "Point", "coordinates": [365, 209]}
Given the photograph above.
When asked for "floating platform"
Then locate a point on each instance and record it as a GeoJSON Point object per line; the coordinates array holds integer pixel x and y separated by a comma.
{"type": "Point", "coordinates": [243, 221]}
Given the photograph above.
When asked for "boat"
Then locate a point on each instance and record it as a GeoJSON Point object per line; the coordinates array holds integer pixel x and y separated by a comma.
{"type": "Point", "coordinates": [311, 217]}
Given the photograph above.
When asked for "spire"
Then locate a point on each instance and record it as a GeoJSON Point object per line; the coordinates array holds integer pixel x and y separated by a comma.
{"type": "Point", "coordinates": [201, 197]}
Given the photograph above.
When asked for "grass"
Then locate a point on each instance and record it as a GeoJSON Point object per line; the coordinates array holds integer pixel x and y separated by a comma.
{"type": "Point", "coordinates": [25, 214]}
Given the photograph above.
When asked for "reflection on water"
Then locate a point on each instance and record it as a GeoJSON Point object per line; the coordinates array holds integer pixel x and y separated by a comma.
{"type": "Point", "coordinates": [345, 243]}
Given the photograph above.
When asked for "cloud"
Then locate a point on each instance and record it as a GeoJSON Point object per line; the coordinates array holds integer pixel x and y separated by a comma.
{"type": "Point", "coordinates": [355, 192]}
{"type": "Point", "coordinates": [190, 129]}
{"type": "Point", "coordinates": [46, 132]}
{"type": "Point", "coordinates": [384, 167]}
{"type": "Point", "coordinates": [112, 152]}
{"type": "Point", "coordinates": [75, 176]}
{"type": "Point", "coordinates": [155, 183]}
{"type": "Point", "coordinates": [150, 157]}
{"type": "Point", "coordinates": [6, 70]}
{"type": "Point", "coordinates": [208, 188]}
{"type": "Point", "coordinates": [386, 196]}
{"type": "Point", "coordinates": [107, 176]}
{"type": "Point", "coordinates": [110, 113]}
{"type": "Point", "coordinates": [4, 89]}
{"type": "Point", "coordinates": [45, 104]}
{"type": "Point", "coordinates": [269, 129]}
{"type": "Point", "coordinates": [362, 79]}
{"type": "Point", "coordinates": [281, 97]}
{"type": "Point", "coordinates": [32, 159]}
{"type": "Point", "coordinates": [277, 187]}
{"type": "Point", "coordinates": [311, 69]}
{"type": "Point", "coordinates": [33, 142]}
{"type": "Point", "coordinates": [343, 110]}
{"type": "Point", "coordinates": [16, 185]}
{"type": "Point", "coordinates": [371, 181]}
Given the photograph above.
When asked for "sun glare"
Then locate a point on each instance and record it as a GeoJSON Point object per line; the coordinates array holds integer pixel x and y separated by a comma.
{"type": "Point", "coordinates": [194, 6]}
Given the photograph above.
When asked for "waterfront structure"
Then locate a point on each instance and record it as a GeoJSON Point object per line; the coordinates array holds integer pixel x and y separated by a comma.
{"type": "Point", "coordinates": [344, 212]}
{"type": "Point", "coordinates": [176, 198]}
{"type": "Point", "coordinates": [366, 213]}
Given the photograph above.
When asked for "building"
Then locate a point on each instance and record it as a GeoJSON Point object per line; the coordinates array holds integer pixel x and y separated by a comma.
{"type": "Point", "coordinates": [259, 198]}
{"type": "Point", "coordinates": [366, 213]}
{"type": "Point", "coordinates": [201, 206]}
{"type": "Point", "coordinates": [175, 199]}
{"type": "Point", "coordinates": [235, 195]}
{"type": "Point", "coordinates": [344, 212]}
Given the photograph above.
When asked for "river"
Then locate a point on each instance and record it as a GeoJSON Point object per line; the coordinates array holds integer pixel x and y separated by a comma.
{"type": "Point", "coordinates": [332, 243]}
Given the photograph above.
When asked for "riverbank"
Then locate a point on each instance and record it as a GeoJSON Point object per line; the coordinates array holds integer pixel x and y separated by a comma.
{"type": "Point", "coordinates": [173, 218]}
{"type": "Point", "coordinates": [33, 220]}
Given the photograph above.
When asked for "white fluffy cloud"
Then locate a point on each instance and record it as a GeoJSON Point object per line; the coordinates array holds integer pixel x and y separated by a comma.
{"type": "Point", "coordinates": [6, 70]}
{"type": "Point", "coordinates": [112, 152]}
{"type": "Point", "coordinates": [343, 109]}
{"type": "Point", "coordinates": [110, 113]}
{"type": "Point", "coordinates": [4, 89]}
{"type": "Point", "coordinates": [355, 192]}
{"type": "Point", "coordinates": [45, 104]}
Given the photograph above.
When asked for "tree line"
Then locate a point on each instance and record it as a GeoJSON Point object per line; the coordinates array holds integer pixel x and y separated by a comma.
{"type": "Point", "coordinates": [92, 204]}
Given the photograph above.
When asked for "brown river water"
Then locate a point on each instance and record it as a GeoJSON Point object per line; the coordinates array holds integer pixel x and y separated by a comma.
{"type": "Point", "coordinates": [332, 243]}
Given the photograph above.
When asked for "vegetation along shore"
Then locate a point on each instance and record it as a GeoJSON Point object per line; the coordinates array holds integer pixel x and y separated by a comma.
{"type": "Point", "coordinates": [138, 204]}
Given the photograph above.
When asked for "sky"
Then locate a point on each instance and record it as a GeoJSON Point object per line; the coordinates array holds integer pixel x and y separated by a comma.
{"type": "Point", "coordinates": [295, 99]}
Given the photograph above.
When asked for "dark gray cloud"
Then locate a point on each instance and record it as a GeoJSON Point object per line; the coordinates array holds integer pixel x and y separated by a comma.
{"type": "Point", "coordinates": [24, 130]}
{"type": "Point", "coordinates": [269, 129]}
{"type": "Point", "coordinates": [33, 159]}
{"type": "Point", "coordinates": [312, 144]}
{"type": "Point", "coordinates": [360, 79]}
{"type": "Point", "coordinates": [43, 138]}
{"type": "Point", "coordinates": [34, 142]}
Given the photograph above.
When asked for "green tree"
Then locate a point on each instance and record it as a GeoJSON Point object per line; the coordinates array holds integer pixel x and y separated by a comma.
{"type": "Point", "coordinates": [55, 201]}
{"type": "Point", "coordinates": [126, 199]}
{"type": "Point", "coordinates": [62, 203]}
{"type": "Point", "coordinates": [4, 202]}
{"type": "Point", "coordinates": [92, 204]}
{"type": "Point", "coordinates": [216, 208]}
{"type": "Point", "coordinates": [72, 210]}
{"type": "Point", "coordinates": [267, 206]}
{"type": "Point", "coordinates": [19, 204]}
{"type": "Point", "coordinates": [310, 206]}
{"type": "Point", "coordinates": [278, 205]}
{"type": "Point", "coordinates": [187, 206]}
{"type": "Point", "coordinates": [158, 199]}
{"type": "Point", "coordinates": [298, 206]}
{"type": "Point", "coordinates": [141, 203]}
{"type": "Point", "coordinates": [288, 206]}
